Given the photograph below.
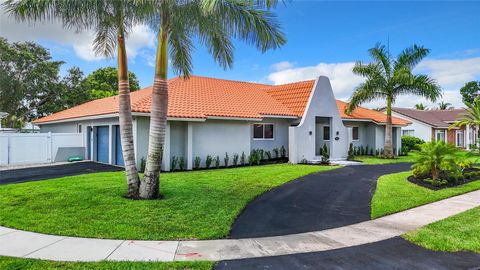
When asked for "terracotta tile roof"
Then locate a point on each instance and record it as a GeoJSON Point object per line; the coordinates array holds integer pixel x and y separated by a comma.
{"type": "Point", "coordinates": [435, 118]}
{"type": "Point", "coordinates": [367, 114]}
{"type": "Point", "coordinates": [202, 97]}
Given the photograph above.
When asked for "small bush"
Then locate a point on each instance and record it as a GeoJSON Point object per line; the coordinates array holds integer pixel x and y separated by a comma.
{"type": "Point", "coordinates": [366, 150]}
{"type": "Point", "coordinates": [235, 160]}
{"type": "Point", "coordinates": [217, 162]}
{"type": "Point", "coordinates": [142, 164]}
{"type": "Point", "coordinates": [196, 162]}
{"type": "Point", "coordinates": [371, 151]}
{"type": "Point", "coordinates": [242, 159]}
{"type": "Point", "coordinates": [325, 154]}
{"type": "Point", "coordinates": [303, 161]}
{"type": "Point", "coordinates": [260, 153]}
{"type": "Point", "coordinates": [351, 152]}
{"type": "Point", "coordinates": [268, 154]}
{"type": "Point", "coordinates": [283, 152]}
{"type": "Point", "coordinates": [410, 143]}
{"type": "Point", "coordinates": [181, 163]}
{"type": "Point", "coordinates": [276, 153]}
{"type": "Point", "coordinates": [225, 159]}
{"type": "Point", "coordinates": [362, 150]}
{"type": "Point", "coordinates": [208, 161]}
{"type": "Point", "coordinates": [173, 164]}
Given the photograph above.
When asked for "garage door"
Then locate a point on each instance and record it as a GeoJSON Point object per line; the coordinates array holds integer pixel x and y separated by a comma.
{"type": "Point", "coordinates": [118, 147]}
{"type": "Point", "coordinates": [102, 144]}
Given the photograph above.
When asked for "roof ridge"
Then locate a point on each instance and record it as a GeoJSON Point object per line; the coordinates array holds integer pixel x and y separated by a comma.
{"type": "Point", "coordinates": [221, 79]}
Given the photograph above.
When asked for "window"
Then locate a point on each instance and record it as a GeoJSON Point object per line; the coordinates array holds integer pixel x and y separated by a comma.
{"type": "Point", "coordinates": [79, 128]}
{"type": "Point", "coordinates": [440, 135]}
{"type": "Point", "coordinates": [326, 133]}
{"type": "Point", "coordinates": [355, 133]}
{"type": "Point", "coordinates": [263, 131]}
{"type": "Point", "coordinates": [459, 138]}
{"type": "Point", "coordinates": [408, 132]}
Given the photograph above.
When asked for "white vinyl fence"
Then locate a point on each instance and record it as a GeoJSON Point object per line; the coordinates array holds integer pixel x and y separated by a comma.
{"type": "Point", "coordinates": [24, 148]}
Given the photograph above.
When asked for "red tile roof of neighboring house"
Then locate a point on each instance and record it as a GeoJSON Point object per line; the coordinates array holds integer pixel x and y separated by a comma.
{"type": "Point", "coordinates": [202, 97]}
{"type": "Point", "coordinates": [435, 118]}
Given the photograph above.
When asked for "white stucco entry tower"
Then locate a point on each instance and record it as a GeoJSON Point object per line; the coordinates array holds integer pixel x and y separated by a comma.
{"type": "Point", "coordinates": [321, 104]}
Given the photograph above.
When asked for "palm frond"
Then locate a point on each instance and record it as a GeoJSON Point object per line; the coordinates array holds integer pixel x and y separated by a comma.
{"type": "Point", "coordinates": [380, 55]}
{"type": "Point", "coordinates": [411, 56]}
{"type": "Point", "coordinates": [365, 92]}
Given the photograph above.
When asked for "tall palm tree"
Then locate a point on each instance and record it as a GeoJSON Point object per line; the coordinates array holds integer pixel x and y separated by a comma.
{"type": "Point", "coordinates": [443, 105]}
{"type": "Point", "coordinates": [420, 106]}
{"type": "Point", "coordinates": [214, 23]}
{"type": "Point", "coordinates": [470, 117]}
{"type": "Point", "coordinates": [111, 20]}
{"type": "Point", "coordinates": [388, 78]}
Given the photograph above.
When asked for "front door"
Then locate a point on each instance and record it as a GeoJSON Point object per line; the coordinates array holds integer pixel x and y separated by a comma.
{"type": "Point", "coordinates": [118, 147]}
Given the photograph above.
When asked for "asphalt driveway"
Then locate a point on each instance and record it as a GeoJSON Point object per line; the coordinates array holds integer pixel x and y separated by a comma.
{"type": "Point", "coordinates": [395, 253]}
{"type": "Point", "coordinates": [315, 202]}
{"type": "Point", "coordinates": [54, 171]}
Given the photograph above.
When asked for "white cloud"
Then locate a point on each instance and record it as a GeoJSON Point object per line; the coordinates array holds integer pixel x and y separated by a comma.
{"type": "Point", "coordinates": [282, 65]}
{"type": "Point", "coordinates": [341, 77]}
{"type": "Point", "coordinates": [451, 74]}
{"type": "Point", "coordinates": [82, 43]}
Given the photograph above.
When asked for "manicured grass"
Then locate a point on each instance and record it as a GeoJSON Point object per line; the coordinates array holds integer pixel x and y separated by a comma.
{"type": "Point", "coordinates": [9, 263]}
{"type": "Point", "coordinates": [379, 160]}
{"type": "Point", "coordinates": [457, 233]}
{"type": "Point", "coordinates": [197, 205]}
{"type": "Point", "coordinates": [395, 193]}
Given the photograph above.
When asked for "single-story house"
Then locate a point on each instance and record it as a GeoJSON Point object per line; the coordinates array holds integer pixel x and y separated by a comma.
{"type": "Point", "coordinates": [208, 116]}
{"type": "Point", "coordinates": [431, 125]}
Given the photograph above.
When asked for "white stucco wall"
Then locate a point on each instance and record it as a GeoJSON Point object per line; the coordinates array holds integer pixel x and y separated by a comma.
{"type": "Point", "coordinates": [421, 130]}
{"type": "Point", "coordinates": [321, 104]}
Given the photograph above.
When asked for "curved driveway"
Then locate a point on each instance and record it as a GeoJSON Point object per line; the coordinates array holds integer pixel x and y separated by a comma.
{"type": "Point", "coordinates": [314, 202]}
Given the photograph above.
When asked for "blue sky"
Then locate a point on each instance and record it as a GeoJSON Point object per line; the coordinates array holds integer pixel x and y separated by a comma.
{"type": "Point", "coordinates": [324, 38]}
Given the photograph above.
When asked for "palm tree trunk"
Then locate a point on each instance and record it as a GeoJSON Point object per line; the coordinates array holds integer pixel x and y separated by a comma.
{"type": "Point", "coordinates": [125, 120]}
{"type": "Point", "coordinates": [150, 186]}
{"type": "Point", "coordinates": [388, 147]}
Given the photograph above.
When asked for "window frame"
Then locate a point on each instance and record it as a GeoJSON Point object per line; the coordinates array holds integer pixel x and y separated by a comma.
{"type": "Point", "coordinates": [408, 131]}
{"type": "Point", "coordinates": [263, 129]}
{"type": "Point", "coordinates": [323, 131]}
{"type": "Point", "coordinates": [439, 131]}
{"type": "Point", "coordinates": [457, 132]}
{"type": "Point", "coordinates": [358, 133]}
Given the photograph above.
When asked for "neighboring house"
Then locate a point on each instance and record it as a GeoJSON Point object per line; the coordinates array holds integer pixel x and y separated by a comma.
{"type": "Point", "coordinates": [208, 116]}
{"type": "Point", "coordinates": [431, 125]}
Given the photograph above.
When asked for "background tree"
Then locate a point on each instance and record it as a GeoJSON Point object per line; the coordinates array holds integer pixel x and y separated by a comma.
{"type": "Point", "coordinates": [388, 78]}
{"type": "Point", "coordinates": [470, 91]}
{"type": "Point", "coordinates": [103, 82]}
{"type": "Point", "coordinates": [420, 106]}
{"type": "Point", "coordinates": [471, 117]}
{"type": "Point", "coordinates": [111, 20]}
{"type": "Point", "coordinates": [30, 84]}
{"type": "Point", "coordinates": [213, 23]}
{"type": "Point", "coordinates": [444, 105]}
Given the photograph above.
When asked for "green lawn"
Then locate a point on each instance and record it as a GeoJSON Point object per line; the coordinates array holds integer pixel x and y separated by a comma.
{"type": "Point", "coordinates": [457, 233]}
{"type": "Point", "coordinates": [197, 205]}
{"type": "Point", "coordinates": [379, 160]}
{"type": "Point", "coordinates": [8, 263]}
{"type": "Point", "coordinates": [394, 193]}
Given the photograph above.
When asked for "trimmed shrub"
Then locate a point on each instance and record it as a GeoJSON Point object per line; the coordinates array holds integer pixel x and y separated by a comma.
{"type": "Point", "coordinates": [410, 143]}
{"type": "Point", "coordinates": [325, 154]}
{"type": "Point", "coordinates": [173, 164]}
{"type": "Point", "coordinates": [351, 152]}
{"type": "Point", "coordinates": [268, 154]}
{"type": "Point", "coordinates": [235, 160]}
{"type": "Point", "coordinates": [242, 159]}
{"type": "Point", "coordinates": [181, 163]}
{"type": "Point", "coordinates": [196, 162]}
{"type": "Point", "coordinates": [283, 152]}
{"type": "Point", "coordinates": [276, 153]}
{"type": "Point", "coordinates": [208, 161]}
{"type": "Point", "coordinates": [217, 162]}
{"type": "Point", "coordinates": [142, 164]}
{"type": "Point", "coordinates": [225, 159]}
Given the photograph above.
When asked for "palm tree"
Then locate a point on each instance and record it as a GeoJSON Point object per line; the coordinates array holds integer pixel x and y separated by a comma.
{"type": "Point", "coordinates": [443, 105]}
{"type": "Point", "coordinates": [388, 78]}
{"type": "Point", "coordinates": [470, 117]}
{"type": "Point", "coordinates": [111, 20]}
{"type": "Point", "coordinates": [420, 106]}
{"type": "Point", "coordinates": [214, 23]}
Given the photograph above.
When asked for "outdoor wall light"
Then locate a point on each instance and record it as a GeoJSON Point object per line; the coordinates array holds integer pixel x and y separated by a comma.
{"type": "Point", "coordinates": [310, 133]}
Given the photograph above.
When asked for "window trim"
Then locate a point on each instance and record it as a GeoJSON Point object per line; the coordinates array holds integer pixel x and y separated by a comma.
{"type": "Point", "coordinates": [456, 138]}
{"type": "Point", "coordinates": [263, 127]}
{"type": "Point", "coordinates": [407, 131]}
{"type": "Point", "coordinates": [323, 133]}
{"type": "Point", "coordinates": [438, 131]}
{"type": "Point", "coordinates": [358, 133]}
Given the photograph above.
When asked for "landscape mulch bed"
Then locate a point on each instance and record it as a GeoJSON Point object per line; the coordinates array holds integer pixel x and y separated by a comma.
{"type": "Point", "coordinates": [423, 183]}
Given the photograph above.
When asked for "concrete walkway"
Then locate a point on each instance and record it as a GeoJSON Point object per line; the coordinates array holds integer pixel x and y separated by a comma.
{"type": "Point", "coordinates": [18, 243]}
